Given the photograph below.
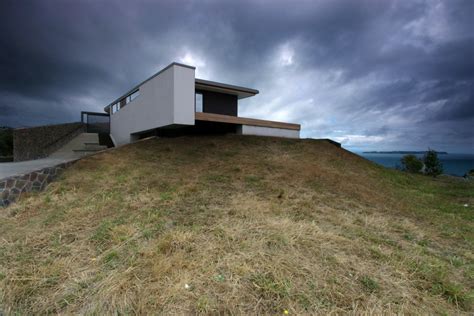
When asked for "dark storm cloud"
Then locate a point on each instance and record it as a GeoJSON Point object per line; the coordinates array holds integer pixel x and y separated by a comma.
{"type": "Point", "coordinates": [373, 74]}
{"type": "Point", "coordinates": [457, 109]}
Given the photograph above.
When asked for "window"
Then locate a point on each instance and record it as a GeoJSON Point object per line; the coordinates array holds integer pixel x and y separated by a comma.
{"type": "Point", "coordinates": [199, 102]}
{"type": "Point", "coordinates": [129, 98]}
{"type": "Point", "coordinates": [114, 108]}
{"type": "Point", "coordinates": [134, 95]}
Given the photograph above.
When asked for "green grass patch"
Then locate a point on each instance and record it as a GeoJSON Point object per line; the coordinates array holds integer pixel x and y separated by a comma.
{"type": "Point", "coordinates": [111, 259]}
{"type": "Point", "coordinates": [271, 287]}
{"type": "Point", "coordinates": [369, 284]}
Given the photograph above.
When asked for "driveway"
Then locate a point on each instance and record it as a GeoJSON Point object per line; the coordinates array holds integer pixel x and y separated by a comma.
{"type": "Point", "coordinates": [8, 169]}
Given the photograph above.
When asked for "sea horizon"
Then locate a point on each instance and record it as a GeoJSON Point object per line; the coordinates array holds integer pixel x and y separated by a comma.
{"type": "Point", "coordinates": [456, 164]}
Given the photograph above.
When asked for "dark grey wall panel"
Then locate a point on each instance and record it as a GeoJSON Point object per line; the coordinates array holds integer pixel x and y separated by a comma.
{"type": "Point", "coordinates": [219, 103]}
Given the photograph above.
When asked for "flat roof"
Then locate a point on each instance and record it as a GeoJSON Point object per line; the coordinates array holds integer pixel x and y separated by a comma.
{"type": "Point", "coordinates": [200, 84]}
{"type": "Point", "coordinates": [240, 92]}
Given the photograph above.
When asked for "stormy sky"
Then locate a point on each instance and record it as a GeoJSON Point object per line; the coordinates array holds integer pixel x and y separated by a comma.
{"type": "Point", "coordinates": [374, 75]}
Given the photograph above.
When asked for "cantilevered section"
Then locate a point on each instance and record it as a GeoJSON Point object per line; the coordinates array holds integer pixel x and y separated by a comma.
{"type": "Point", "coordinates": [137, 87]}
{"type": "Point", "coordinates": [240, 92]}
{"type": "Point", "coordinates": [219, 118]}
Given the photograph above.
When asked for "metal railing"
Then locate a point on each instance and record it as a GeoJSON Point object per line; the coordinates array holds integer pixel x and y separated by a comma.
{"type": "Point", "coordinates": [96, 122]}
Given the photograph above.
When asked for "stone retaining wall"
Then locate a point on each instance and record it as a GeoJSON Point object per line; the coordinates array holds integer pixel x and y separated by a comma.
{"type": "Point", "coordinates": [39, 142]}
{"type": "Point", "coordinates": [13, 187]}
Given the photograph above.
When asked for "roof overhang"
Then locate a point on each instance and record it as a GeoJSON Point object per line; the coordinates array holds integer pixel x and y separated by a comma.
{"type": "Point", "coordinates": [240, 92]}
{"type": "Point", "coordinates": [200, 84]}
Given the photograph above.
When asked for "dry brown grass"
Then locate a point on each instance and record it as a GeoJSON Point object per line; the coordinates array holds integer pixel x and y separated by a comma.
{"type": "Point", "coordinates": [252, 225]}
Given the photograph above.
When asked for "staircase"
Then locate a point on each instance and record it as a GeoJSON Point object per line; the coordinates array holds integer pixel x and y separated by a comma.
{"type": "Point", "coordinates": [82, 145]}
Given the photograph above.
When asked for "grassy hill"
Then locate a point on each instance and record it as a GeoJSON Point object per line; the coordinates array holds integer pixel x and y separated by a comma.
{"type": "Point", "coordinates": [241, 225]}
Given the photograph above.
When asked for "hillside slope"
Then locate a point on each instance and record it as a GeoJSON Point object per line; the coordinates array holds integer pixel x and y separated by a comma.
{"type": "Point", "coordinates": [238, 225]}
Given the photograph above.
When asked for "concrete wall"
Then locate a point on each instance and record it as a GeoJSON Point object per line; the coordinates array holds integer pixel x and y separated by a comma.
{"type": "Point", "coordinates": [39, 142]}
{"type": "Point", "coordinates": [183, 95]}
{"type": "Point", "coordinates": [166, 99]}
{"type": "Point", "coordinates": [267, 131]}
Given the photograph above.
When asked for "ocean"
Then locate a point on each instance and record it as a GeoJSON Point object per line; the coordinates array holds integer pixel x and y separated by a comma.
{"type": "Point", "coordinates": [453, 164]}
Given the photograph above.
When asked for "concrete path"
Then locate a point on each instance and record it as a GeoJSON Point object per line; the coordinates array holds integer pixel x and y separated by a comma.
{"type": "Point", "coordinates": [8, 169]}
{"type": "Point", "coordinates": [82, 145]}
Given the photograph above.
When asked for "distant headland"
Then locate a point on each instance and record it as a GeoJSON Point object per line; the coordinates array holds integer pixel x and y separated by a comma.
{"type": "Point", "coordinates": [403, 152]}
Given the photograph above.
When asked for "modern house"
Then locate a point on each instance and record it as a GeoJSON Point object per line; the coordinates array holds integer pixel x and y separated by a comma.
{"type": "Point", "coordinates": [175, 102]}
{"type": "Point", "coordinates": [170, 103]}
